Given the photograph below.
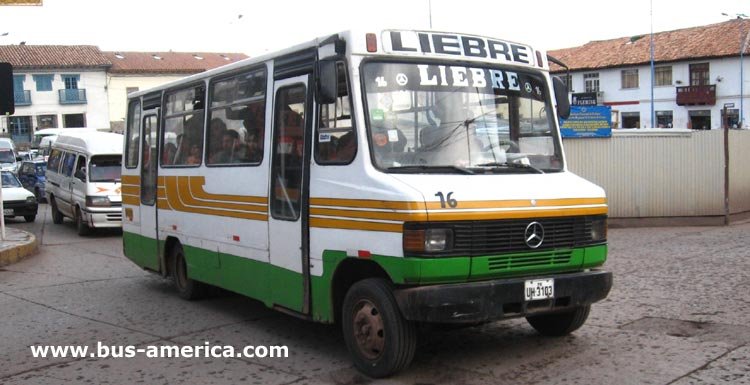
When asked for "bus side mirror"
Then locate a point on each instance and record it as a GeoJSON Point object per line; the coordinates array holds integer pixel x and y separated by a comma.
{"type": "Point", "coordinates": [561, 96]}
{"type": "Point", "coordinates": [7, 101]}
{"type": "Point", "coordinates": [327, 81]}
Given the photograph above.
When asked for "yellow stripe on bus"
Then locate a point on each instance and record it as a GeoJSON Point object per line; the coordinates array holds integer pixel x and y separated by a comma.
{"type": "Point", "coordinates": [196, 188]}
{"type": "Point", "coordinates": [367, 203]}
{"type": "Point", "coordinates": [391, 216]}
{"type": "Point", "coordinates": [131, 200]}
{"type": "Point", "coordinates": [355, 225]}
{"type": "Point", "coordinates": [131, 179]}
{"type": "Point", "coordinates": [460, 215]}
{"type": "Point", "coordinates": [520, 203]}
{"type": "Point", "coordinates": [175, 200]}
{"type": "Point", "coordinates": [130, 190]}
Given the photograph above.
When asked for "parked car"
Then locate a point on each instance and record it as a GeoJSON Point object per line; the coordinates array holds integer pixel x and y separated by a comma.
{"type": "Point", "coordinates": [17, 201]}
{"type": "Point", "coordinates": [32, 177]}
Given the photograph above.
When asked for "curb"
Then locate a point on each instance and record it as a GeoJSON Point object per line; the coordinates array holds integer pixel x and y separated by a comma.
{"type": "Point", "coordinates": [18, 250]}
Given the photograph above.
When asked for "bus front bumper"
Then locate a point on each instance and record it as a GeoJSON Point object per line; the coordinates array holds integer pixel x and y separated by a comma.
{"type": "Point", "coordinates": [484, 301]}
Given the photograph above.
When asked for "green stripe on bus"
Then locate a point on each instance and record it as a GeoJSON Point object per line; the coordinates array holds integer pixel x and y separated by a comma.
{"type": "Point", "coordinates": [141, 250]}
{"type": "Point", "coordinates": [274, 285]}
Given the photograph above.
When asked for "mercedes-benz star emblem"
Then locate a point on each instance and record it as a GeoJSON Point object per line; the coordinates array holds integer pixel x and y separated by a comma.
{"type": "Point", "coordinates": [534, 235]}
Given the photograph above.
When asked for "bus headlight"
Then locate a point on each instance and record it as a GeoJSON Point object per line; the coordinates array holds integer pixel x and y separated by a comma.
{"type": "Point", "coordinates": [599, 229]}
{"type": "Point", "coordinates": [93, 201]}
{"type": "Point", "coordinates": [428, 240]}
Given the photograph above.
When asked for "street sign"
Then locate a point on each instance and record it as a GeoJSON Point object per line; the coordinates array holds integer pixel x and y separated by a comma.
{"type": "Point", "coordinates": [728, 105]}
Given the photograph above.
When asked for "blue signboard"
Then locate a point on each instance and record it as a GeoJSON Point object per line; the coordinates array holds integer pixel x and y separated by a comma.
{"type": "Point", "coordinates": [587, 122]}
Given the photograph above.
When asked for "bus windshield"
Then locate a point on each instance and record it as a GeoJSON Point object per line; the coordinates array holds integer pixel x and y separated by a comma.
{"type": "Point", "coordinates": [105, 168]}
{"type": "Point", "coordinates": [437, 118]}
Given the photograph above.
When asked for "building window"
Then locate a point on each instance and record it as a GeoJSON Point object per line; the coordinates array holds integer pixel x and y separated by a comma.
{"type": "Point", "coordinates": [631, 119]}
{"type": "Point", "coordinates": [43, 82]}
{"type": "Point", "coordinates": [71, 81]}
{"type": "Point", "coordinates": [74, 120]}
{"type": "Point", "coordinates": [664, 119]}
{"type": "Point", "coordinates": [731, 119]}
{"type": "Point", "coordinates": [567, 80]}
{"type": "Point", "coordinates": [699, 74]}
{"type": "Point", "coordinates": [20, 129]}
{"type": "Point", "coordinates": [629, 78]}
{"type": "Point", "coordinates": [663, 76]}
{"type": "Point", "coordinates": [46, 121]}
{"type": "Point", "coordinates": [591, 82]}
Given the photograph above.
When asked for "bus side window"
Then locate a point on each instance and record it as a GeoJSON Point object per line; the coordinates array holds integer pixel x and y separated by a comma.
{"type": "Point", "coordinates": [335, 141]}
{"type": "Point", "coordinates": [132, 135]}
{"type": "Point", "coordinates": [237, 119]}
{"type": "Point", "coordinates": [183, 126]}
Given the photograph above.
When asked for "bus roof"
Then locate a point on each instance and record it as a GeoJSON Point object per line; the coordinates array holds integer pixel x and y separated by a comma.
{"type": "Point", "coordinates": [392, 42]}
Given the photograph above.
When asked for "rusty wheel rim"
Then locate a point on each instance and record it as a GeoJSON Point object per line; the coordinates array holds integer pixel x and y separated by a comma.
{"type": "Point", "coordinates": [369, 332]}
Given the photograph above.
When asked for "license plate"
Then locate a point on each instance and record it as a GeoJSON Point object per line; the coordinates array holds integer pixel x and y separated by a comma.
{"type": "Point", "coordinates": [539, 289]}
{"type": "Point", "coordinates": [7, 211]}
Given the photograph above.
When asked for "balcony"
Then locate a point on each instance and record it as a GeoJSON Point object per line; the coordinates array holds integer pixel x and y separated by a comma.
{"type": "Point", "coordinates": [696, 95]}
{"type": "Point", "coordinates": [68, 96]}
{"type": "Point", "coordinates": [22, 98]}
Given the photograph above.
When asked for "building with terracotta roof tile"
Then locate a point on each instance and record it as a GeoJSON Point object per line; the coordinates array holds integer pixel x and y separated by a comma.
{"type": "Point", "coordinates": [134, 71]}
{"type": "Point", "coordinates": [697, 72]}
{"type": "Point", "coordinates": [81, 86]}
{"type": "Point", "coordinates": [55, 86]}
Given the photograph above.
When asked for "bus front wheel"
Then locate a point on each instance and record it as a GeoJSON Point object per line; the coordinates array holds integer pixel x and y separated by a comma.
{"type": "Point", "coordinates": [560, 324]}
{"type": "Point", "coordinates": [187, 288]}
{"type": "Point", "coordinates": [380, 340]}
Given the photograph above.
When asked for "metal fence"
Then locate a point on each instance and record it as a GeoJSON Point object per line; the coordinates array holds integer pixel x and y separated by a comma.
{"type": "Point", "coordinates": [666, 173]}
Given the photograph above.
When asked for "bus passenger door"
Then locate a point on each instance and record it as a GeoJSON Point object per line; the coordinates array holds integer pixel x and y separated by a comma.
{"type": "Point", "coordinates": [288, 192]}
{"type": "Point", "coordinates": [149, 155]}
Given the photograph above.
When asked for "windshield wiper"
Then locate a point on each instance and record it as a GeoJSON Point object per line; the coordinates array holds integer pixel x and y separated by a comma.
{"type": "Point", "coordinates": [510, 165]}
{"type": "Point", "coordinates": [430, 169]}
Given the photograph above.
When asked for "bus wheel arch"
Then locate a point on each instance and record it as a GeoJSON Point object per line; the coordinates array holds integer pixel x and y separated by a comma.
{"type": "Point", "coordinates": [187, 288]}
{"type": "Point", "coordinates": [349, 272]}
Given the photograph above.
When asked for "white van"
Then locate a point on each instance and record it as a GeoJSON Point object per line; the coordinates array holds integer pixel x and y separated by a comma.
{"type": "Point", "coordinates": [8, 156]}
{"type": "Point", "coordinates": [83, 180]}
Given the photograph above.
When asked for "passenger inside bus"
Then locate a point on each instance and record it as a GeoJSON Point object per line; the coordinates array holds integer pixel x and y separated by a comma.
{"type": "Point", "coordinates": [215, 135]}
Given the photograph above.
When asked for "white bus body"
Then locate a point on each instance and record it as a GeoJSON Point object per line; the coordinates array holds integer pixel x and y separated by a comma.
{"type": "Point", "coordinates": [401, 177]}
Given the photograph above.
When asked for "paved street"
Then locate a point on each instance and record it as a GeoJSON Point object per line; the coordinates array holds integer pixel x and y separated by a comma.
{"type": "Point", "coordinates": [677, 314]}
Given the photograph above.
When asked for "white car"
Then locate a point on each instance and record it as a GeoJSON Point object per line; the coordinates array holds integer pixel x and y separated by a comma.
{"type": "Point", "coordinates": [17, 201]}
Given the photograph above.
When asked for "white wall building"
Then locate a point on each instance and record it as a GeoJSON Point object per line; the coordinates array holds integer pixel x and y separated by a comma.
{"type": "Point", "coordinates": [55, 86]}
{"type": "Point", "coordinates": [697, 74]}
{"type": "Point", "coordinates": [136, 71]}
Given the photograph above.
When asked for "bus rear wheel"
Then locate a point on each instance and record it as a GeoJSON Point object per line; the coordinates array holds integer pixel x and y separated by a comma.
{"type": "Point", "coordinates": [187, 288]}
{"type": "Point", "coordinates": [380, 340]}
{"type": "Point", "coordinates": [560, 324]}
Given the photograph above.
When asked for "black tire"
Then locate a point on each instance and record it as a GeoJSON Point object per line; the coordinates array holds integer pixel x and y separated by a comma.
{"type": "Point", "coordinates": [57, 217]}
{"type": "Point", "coordinates": [380, 340]}
{"type": "Point", "coordinates": [560, 324]}
{"type": "Point", "coordinates": [29, 218]}
{"type": "Point", "coordinates": [187, 288]}
{"type": "Point", "coordinates": [81, 227]}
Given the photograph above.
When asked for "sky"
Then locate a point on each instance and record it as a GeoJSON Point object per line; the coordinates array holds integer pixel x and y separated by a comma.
{"type": "Point", "coordinates": [257, 27]}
